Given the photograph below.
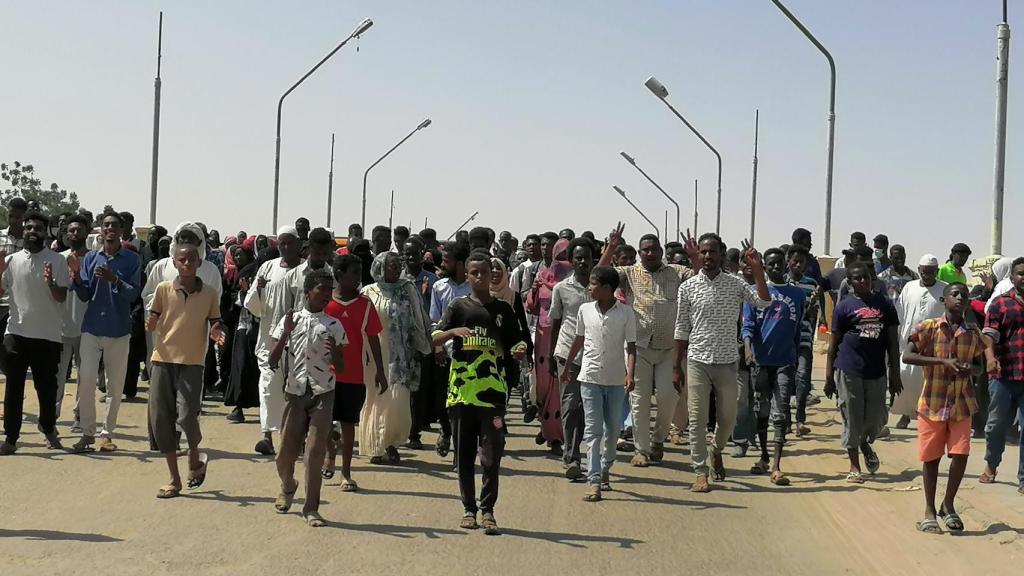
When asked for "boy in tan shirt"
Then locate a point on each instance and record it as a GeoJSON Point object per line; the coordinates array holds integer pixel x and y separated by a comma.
{"type": "Point", "coordinates": [181, 312]}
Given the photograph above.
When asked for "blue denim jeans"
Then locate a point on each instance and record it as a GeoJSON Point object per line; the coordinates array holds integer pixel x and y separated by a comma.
{"type": "Point", "coordinates": [602, 413]}
{"type": "Point", "coordinates": [1006, 399]}
{"type": "Point", "coordinates": [800, 388]}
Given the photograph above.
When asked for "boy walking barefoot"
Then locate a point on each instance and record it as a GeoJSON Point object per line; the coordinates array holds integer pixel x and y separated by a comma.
{"type": "Point", "coordinates": [309, 342]}
{"type": "Point", "coordinates": [945, 347]}
{"type": "Point", "coordinates": [486, 341]}
{"type": "Point", "coordinates": [603, 328]}
{"type": "Point", "coordinates": [358, 316]}
{"type": "Point", "coordinates": [179, 315]}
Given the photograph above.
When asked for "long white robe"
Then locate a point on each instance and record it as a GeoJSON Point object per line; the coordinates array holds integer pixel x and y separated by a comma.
{"type": "Point", "coordinates": [915, 304]}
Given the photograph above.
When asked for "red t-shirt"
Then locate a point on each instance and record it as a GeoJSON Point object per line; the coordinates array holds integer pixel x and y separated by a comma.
{"type": "Point", "coordinates": [359, 318]}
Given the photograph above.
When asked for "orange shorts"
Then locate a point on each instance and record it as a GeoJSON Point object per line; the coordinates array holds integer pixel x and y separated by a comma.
{"type": "Point", "coordinates": [937, 438]}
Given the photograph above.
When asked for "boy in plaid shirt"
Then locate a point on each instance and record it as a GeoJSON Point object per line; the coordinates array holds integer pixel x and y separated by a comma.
{"type": "Point", "coordinates": [945, 347]}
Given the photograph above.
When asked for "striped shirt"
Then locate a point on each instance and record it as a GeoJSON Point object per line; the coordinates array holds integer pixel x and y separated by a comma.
{"type": "Point", "coordinates": [707, 314]}
{"type": "Point", "coordinates": [653, 297]}
{"type": "Point", "coordinates": [945, 395]}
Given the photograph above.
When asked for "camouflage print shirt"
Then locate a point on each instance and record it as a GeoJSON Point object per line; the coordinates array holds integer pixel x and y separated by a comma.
{"type": "Point", "coordinates": [479, 362]}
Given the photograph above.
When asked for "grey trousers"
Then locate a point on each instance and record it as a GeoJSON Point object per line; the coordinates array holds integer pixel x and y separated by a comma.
{"type": "Point", "coordinates": [175, 397]}
{"type": "Point", "coordinates": [573, 425]}
{"type": "Point", "coordinates": [862, 403]}
{"type": "Point", "coordinates": [701, 380]}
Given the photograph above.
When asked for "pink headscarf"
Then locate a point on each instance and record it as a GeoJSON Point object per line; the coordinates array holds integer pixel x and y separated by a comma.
{"type": "Point", "coordinates": [539, 301]}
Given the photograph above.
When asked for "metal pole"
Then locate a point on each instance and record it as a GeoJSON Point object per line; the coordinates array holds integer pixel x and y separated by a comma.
{"type": "Point", "coordinates": [632, 161]}
{"type": "Point", "coordinates": [156, 123]}
{"type": "Point", "coordinates": [422, 125]}
{"type": "Point", "coordinates": [999, 170]}
{"type": "Point", "coordinates": [753, 186]}
{"type": "Point", "coordinates": [330, 183]}
{"type": "Point", "coordinates": [638, 211]}
{"type": "Point", "coordinates": [666, 227]}
{"type": "Point", "coordinates": [831, 121]}
{"type": "Point", "coordinates": [695, 208]}
{"type": "Point", "coordinates": [363, 26]}
{"type": "Point", "coordinates": [391, 214]}
{"type": "Point", "coordinates": [461, 226]}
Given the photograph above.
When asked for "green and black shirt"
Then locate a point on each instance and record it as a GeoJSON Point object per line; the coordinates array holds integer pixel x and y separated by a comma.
{"type": "Point", "coordinates": [479, 362]}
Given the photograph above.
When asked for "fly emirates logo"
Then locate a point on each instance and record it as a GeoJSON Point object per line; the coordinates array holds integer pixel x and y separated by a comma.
{"type": "Point", "coordinates": [478, 339]}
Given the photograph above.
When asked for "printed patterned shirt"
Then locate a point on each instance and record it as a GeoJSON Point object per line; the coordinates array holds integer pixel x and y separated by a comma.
{"type": "Point", "coordinates": [707, 315]}
{"type": "Point", "coordinates": [945, 395]}
{"type": "Point", "coordinates": [653, 297]}
{"type": "Point", "coordinates": [1004, 323]}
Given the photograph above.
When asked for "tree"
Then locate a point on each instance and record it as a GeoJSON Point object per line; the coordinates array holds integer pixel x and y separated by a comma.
{"type": "Point", "coordinates": [20, 181]}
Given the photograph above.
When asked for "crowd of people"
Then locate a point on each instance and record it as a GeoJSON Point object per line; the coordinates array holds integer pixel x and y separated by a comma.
{"type": "Point", "coordinates": [610, 347]}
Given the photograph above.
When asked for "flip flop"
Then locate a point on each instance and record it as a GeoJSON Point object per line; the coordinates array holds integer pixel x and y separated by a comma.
{"type": "Point", "coordinates": [928, 526]}
{"type": "Point", "coordinates": [986, 478]}
{"type": "Point", "coordinates": [952, 520]}
{"type": "Point", "coordinates": [349, 486]}
{"type": "Point", "coordinates": [198, 476]}
{"type": "Point", "coordinates": [593, 495]}
{"type": "Point", "coordinates": [779, 479]}
{"type": "Point", "coordinates": [168, 491]}
{"type": "Point", "coordinates": [760, 468]}
{"type": "Point", "coordinates": [314, 520]}
{"type": "Point", "coordinates": [855, 478]}
{"type": "Point", "coordinates": [284, 500]}
{"type": "Point", "coordinates": [327, 473]}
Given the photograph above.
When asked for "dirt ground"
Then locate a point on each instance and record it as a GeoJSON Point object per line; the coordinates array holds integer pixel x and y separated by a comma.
{"type": "Point", "coordinates": [97, 514]}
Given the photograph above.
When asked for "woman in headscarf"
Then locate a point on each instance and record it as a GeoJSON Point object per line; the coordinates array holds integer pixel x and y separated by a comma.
{"type": "Point", "coordinates": [501, 290]}
{"type": "Point", "coordinates": [538, 301]}
{"type": "Point", "coordinates": [243, 388]}
{"type": "Point", "coordinates": [386, 419]}
{"type": "Point", "coordinates": [229, 260]}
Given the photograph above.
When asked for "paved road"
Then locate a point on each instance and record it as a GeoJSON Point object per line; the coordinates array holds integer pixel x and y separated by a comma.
{"type": "Point", "coordinates": [72, 514]}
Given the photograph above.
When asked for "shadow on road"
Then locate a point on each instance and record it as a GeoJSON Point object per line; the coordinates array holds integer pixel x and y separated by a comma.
{"type": "Point", "coordinates": [572, 540]}
{"type": "Point", "coordinates": [397, 531]}
{"type": "Point", "coordinates": [57, 535]}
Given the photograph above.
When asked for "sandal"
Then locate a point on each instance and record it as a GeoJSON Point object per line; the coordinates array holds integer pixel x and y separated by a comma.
{"type": "Point", "coordinates": [314, 520]}
{"type": "Point", "coordinates": [593, 495]}
{"type": "Point", "coordinates": [377, 460]}
{"type": "Point", "coordinates": [168, 491]}
{"type": "Point", "coordinates": [349, 486]}
{"type": "Point", "coordinates": [700, 485]}
{"type": "Point", "coordinates": [197, 476]}
{"type": "Point", "coordinates": [760, 468]}
{"type": "Point", "coordinates": [854, 478]}
{"type": "Point", "coordinates": [929, 526]}
{"type": "Point", "coordinates": [327, 473]}
{"type": "Point", "coordinates": [952, 520]}
{"type": "Point", "coordinates": [986, 478]}
{"type": "Point", "coordinates": [284, 500]}
{"type": "Point", "coordinates": [779, 479]}
{"type": "Point", "coordinates": [469, 522]}
{"type": "Point", "coordinates": [717, 468]}
{"type": "Point", "coordinates": [84, 445]}
{"type": "Point", "coordinates": [443, 446]}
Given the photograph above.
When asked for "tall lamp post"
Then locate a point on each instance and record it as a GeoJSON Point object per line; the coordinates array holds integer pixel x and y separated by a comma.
{"type": "Point", "coordinates": [999, 169]}
{"type": "Point", "coordinates": [753, 185]}
{"type": "Point", "coordinates": [421, 126]}
{"type": "Point", "coordinates": [831, 120]}
{"type": "Point", "coordinates": [632, 161]}
{"type": "Point", "coordinates": [330, 183]}
{"type": "Point", "coordinates": [461, 226]}
{"type": "Point", "coordinates": [638, 211]}
{"type": "Point", "coordinates": [659, 90]}
{"type": "Point", "coordinates": [695, 208]}
{"type": "Point", "coordinates": [363, 27]}
{"type": "Point", "coordinates": [156, 122]}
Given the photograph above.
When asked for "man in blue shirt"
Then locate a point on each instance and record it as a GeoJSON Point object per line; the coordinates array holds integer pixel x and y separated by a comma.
{"type": "Point", "coordinates": [444, 292]}
{"type": "Point", "coordinates": [770, 338]}
{"type": "Point", "coordinates": [814, 301]}
{"type": "Point", "coordinates": [109, 280]}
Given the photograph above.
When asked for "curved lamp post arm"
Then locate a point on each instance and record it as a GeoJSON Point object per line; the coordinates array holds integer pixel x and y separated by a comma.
{"type": "Point", "coordinates": [422, 125]}
{"type": "Point", "coordinates": [632, 161]}
{"type": "Point", "coordinates": [718, 217]}
{"type": "Point", "coordinates": [638, 211]}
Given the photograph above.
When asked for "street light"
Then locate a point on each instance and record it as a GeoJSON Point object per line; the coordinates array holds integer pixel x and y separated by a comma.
{"type": "Point", "coordinates": [659, 90]}
{"type": "Point", "coordinates": [363, 27]}
{"type": "Point", "coordinates": [461, 226]}
{"type": "Point", "coordinates": [831, 120]}
{"type": "Point", "coordinates": [632, 161]}
{"type": "Point", "coordinates": [638, 211]}
{"type": "Point", "coordinates": [422, 125]}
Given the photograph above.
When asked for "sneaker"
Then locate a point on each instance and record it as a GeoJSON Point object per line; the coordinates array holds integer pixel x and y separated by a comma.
{"type": "Point", "coordinates": [53, 440]}
{"type": "Point", "coordinates": [871, 461]}
{"type": "Point", "coordinates": [556, 448]}
{"type": "Point", "coordinates": [468, 521]}
{"type": "Point", "coordinates": [236, 416]}
{"type": "Point", "coordinates": [903, 423]}
{"type": "Point", "coordinates": [813, 400]}
{"type": "Point", "coordinates": [443, 445]}
{"type": "Point", "coordinates": [884, 432]}
{"type": "Point", "coordinates": [639, 460]}
{"type": "Point", "coordinates": [414, 444]}
{"type": "Point", "coordinates": [740, 450]}
{"type": "Point", "coordinates": [490, 524]}
{"type": "Point", "coordinates": [657, 451]}
{"type": "Point", "coordinates": [8, 448]}
{"type": "Point", "coordinates": [265, 447]}
{"type": "Point", "coordinates": [530, 414]}
{"type": "Point", "coordinates": [573, 471]}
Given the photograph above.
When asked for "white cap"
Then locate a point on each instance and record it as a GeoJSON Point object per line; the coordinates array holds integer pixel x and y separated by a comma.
{"type": "Point", "coordinates": [289, 230]}
{"type": "Point", "coordinates": [928, 260]}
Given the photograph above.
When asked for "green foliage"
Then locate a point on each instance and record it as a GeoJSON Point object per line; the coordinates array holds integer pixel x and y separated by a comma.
{"type": "Point", "coordinates": [19, 180]}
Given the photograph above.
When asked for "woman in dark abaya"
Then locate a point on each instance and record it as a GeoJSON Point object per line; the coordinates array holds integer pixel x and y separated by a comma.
{"type": "Point", "coordinates": [243, 387]}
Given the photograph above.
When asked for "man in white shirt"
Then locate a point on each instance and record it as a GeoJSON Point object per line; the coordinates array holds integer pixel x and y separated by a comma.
{"type": "Point", "coordinates": [705, 335]}
{"type": "Point", "coordinates": [36, 279]}
{"type": "Point", "coordinates": [74, 312]}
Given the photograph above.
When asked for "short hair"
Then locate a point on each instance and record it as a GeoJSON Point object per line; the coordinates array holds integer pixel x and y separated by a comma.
{"type": "Point", "coordinates": [772, 251]}
{"type": "Point", "coordinates": [320, 236]}
{"type": "Point", "coordinates": [355, 226]}
{"type": "Point", "coordinates": [36, 215]}
{"type": "Point", "coordinates": [623, 249]}
{"type": "Point", "coordinates": [78, 219]}
{"type": "Point", "coordinates": [302, 219]}
{"type": "Point", "coordinates": [127, 217]}
{"type": "Point", "coordinates": [732, 254]}
{"type": "Point", "coordinates": [581, 241]}
{"type": "Point", "coordinates": [606, 276]}
{"type": "Point", "coordinates": [711, 236]}
{"type": "Point", "coordinates": [955, 284]}
{"type": "Point", "coordinates": [672, 245]}
{"type": "Point", "coordinates": [380, 228]}
{"type": "Point", "coordinates": [361, 245]}
{"type": "Point", "coordinates": [479, 233]}
{"type": "Point", "coordinates": [159, 230]}
{"type": "Point", "coordinates": [478, 255]}
{"type": "Point", "coordinates": [342, 262]}
{"type": "Point", "coordinates": [881, 238]}
{"type": "Point", "coordinates": [897, 247]}
{"type": "Point", "coordinates": [17, 203]}
{"type": "Point", "coordinates": [797, 250]}
{"type": "Point", "coordinates": [457, 251]}
{"type": "Point", "coordinates": [650, 238]}
{"type": "Point", "coordinates": [550, 236]}
{"type": "Point", "coordinates": [860, 235]}
{"type": "Point", "coordinates": [401, 230]}
{"type": "Point", "coordinates": [428, 233]}
{"type": "Point", "coordinates": [179, 247]}
{"type": "Point", "coordinates": [115, 215]}
{"type": "Point", "coordinates": [799, 234]}
{"type": "Point", "coordinates": [588, 234]}
{"type": "Point", "coordinates": [534, 237]}
{"type": "Point", "coordinates": [416, 241]}
{"type": "Point", "coordinates": [317, 278]}
{"type": "Point", "coordinates": [861, 266]}
{"type": "Point", "coordinates": [1017, 262]}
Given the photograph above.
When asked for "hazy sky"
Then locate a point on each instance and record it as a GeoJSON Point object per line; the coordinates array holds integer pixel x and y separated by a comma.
{"type": "Point", "coordinates": [531, 102]}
